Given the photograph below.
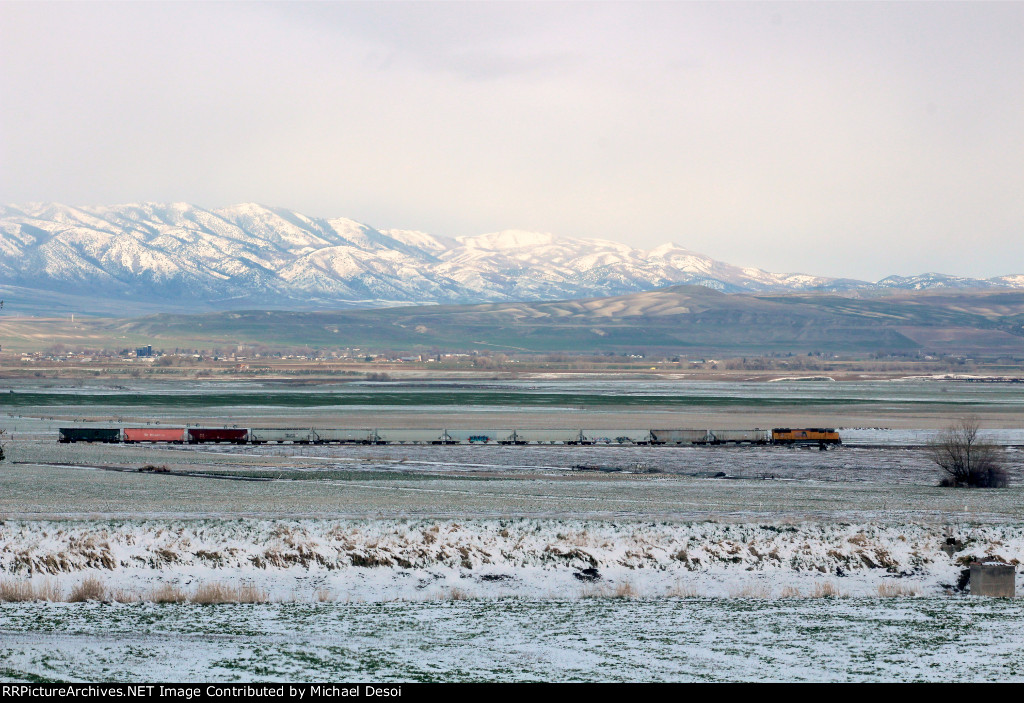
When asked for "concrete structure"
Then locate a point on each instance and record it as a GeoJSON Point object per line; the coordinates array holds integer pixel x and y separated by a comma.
{"type": "Point", "coordinates": [993, 579]}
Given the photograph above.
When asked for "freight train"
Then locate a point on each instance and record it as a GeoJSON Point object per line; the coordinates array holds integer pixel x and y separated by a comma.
{"type": "Point", "coordinates": [822, 437]}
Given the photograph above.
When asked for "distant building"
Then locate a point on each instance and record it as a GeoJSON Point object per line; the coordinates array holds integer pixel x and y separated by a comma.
{"type": "Point", "coordinates": [144, 351]}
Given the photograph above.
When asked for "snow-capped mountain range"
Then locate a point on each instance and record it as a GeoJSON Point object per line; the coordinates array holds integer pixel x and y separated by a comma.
{"type": "Point", "coordinates": [250, 255]}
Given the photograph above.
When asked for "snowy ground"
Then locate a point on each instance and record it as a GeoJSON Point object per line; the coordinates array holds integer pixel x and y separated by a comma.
{"type": "Point", "coordinates": [679, 639]}
{"type": "Point", "coordinates": [382, 560]}
{"type": "Point", "coordinates": [462, 563]}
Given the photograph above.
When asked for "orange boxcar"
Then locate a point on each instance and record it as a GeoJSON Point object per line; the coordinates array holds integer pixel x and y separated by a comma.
{"type": "Point", "coordinates": [151, 434]}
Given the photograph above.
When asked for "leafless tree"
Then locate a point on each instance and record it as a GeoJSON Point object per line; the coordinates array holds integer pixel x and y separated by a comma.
{"type": "Point", "coordinates": [965, 459]}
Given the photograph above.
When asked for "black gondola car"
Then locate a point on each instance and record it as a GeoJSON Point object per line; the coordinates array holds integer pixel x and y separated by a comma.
{"type": "Point", "coordinates": [90, 434]}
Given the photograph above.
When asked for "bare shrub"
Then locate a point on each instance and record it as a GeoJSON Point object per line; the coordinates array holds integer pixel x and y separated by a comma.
{"type": "Point", "coordinates": [964, 459]}
{"type": "Point", "coordinates": [897, 590]}
{"type": "Point", "coordinates": [324, 595]}
{"type": "Point", "coordinates": [790, 592]}
{"type": "Point", "coordinates": [3, 444]}
{"type": "Point", "coordinates": [89, 588]}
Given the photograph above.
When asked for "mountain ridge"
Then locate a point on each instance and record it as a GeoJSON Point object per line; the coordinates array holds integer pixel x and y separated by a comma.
{"type": "Point", "coordinates": [186, 257]}
{"type": "Point", "coordinates": [676, 317]}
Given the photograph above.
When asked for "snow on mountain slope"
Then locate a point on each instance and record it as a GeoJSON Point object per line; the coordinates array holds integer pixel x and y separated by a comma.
{"type": "Point", "coordinates": [181, 254]}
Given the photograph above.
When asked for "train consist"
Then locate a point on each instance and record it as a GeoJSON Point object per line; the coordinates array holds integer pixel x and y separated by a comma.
{"type": "Point", "coordinates": [821, 437]}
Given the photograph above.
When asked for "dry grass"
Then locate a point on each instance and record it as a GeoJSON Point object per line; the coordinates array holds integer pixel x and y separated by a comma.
{"type": "Point", "coordinates": [593, 591]}
{"type": "Point", "coordinates": [89, 588]}
{"type": "Point", "coordinates": [626, 590]}
{"type": "Point", "coordinates": [21, 591]}
{"type": "Point", "coordinates": [458, 594]}
{"type": "Point", "coordinates": [751, 590]}
{"type": "Point", "coordinates": [897, 590]}
{"type": "Point", "coordinates": [216, 592]}
{"type": "Point", "coordinates": [166, 593]}
{"type": "Point", "coordinates": [681, 590]}
{"type": "Point", "coordinates": [790, 592]}
{"type": "Point", "coordinates": [124, 596]}
{"type": "Point", "coordinates": [323, 595]}
{"type": "Point", "coordinates": [826, 589]}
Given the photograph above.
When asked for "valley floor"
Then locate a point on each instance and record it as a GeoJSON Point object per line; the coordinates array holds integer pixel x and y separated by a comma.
{"type": "Point", "coordinates": [406, 563]}
{"type": "Point", "coordinates": [684, 639]}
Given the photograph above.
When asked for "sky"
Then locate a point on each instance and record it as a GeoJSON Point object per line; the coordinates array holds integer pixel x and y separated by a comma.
{"type": "Point", "coordinates": [845, 139]}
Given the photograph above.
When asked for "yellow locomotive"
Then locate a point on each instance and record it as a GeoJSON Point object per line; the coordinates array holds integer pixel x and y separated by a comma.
{"type": "Point", "coordinates": [807, 435]}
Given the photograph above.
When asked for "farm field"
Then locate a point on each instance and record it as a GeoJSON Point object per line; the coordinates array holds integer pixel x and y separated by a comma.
{"type": "Point", "coordinates": [682, 639]}
{"type": "Point", "coordinates": [845, 484]}
{"type": "Point", "coordinates": [645, 562]}
{"type": "Point", "coordinates": [921, 404]}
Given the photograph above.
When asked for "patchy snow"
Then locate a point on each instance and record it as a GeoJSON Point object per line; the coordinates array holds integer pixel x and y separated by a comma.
{"type": "Point", "coordinates": [383, 560]}
{"type": "Point", "coordinates": [180, 250]}
{"type": "Point", "coordinates": [675, 639]}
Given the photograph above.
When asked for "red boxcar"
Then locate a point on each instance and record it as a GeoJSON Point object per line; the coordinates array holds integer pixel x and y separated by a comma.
{"type": "Point", "coordinates": [152, 434]}
{"type": "Point", "coordinates": [204, 435]}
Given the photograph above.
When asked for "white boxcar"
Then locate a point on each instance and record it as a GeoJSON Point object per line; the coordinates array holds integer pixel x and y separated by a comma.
{"type": "Point", "coordinates": [481, 436]}
{"type": "Point", "coordinates": [616, 436]}
{"type": "Point", "coordinates": [343, 436]}
{"type": "Point", "coordinates": [679, 436]}
{"type": "Point", "coordinates": [410, 437]}
{"type": "Point", "coordinates": [739, 436]}
{"type": "Point", "coordinates": [294, 436]}
{"type": "Point", "coordinates": [548, 437]}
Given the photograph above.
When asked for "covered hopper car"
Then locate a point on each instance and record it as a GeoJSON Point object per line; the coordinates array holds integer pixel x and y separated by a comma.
{"type": "Point", "coordinates": [202, 435]}
{"type": "Point", "coordinates": [262, 436]}
{"type": "Point", "coordinates": [616, 437]}
{"type": "Point", "coordinates": [680, 437]}
{"type": "Point", "coordinates": [89, 434]}
{"type": "Point", "coordinates": [343, 436]}
{"type": "Point", "coordinates": [409, 436]}
{"type": "Point", "coordinates": [810, 436]}
{"type": "Point", "coordinates": [739, 436]}
{"type": "Point", "coordinates": [153, 434]}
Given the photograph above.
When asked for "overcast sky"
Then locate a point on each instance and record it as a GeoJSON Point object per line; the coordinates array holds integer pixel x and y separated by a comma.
{"type": "Point", "coordinates": [859, 139]}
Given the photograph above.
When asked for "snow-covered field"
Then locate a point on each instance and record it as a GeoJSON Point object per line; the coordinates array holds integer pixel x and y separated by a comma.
{"type": "Point", "coordinates": [383, 560]}
{"type": "Point", "coordinates": [500, 563]}
{"type": "Point", "coordinates": [677, 639]}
